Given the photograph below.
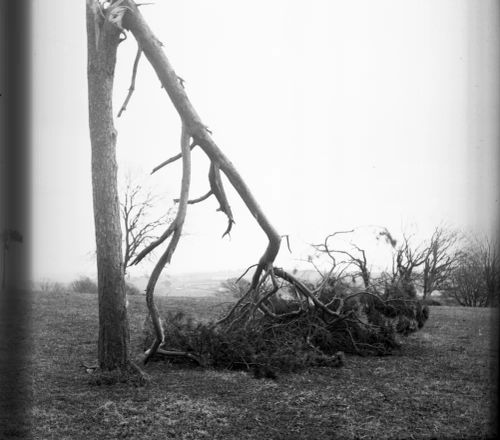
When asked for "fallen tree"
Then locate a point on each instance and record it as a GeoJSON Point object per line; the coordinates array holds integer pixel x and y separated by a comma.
{"type": "Point", "coordinates": [288, 324]}
{"type": "Point", "coordinates": [361, 321]}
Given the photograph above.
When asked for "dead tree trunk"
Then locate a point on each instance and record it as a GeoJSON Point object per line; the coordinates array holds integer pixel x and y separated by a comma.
{"type": "Point", "coordinates": [103, 37]}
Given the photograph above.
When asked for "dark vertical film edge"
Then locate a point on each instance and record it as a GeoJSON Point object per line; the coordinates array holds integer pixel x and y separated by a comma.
{"type": "Point", "coordinates": [495, 110]}
{"type": "Point", "coordinates": [15, 135]}
{"type": "Point", "coordinates": [483, 47]}
{"type": "Point", "coordinates": [496, 201]}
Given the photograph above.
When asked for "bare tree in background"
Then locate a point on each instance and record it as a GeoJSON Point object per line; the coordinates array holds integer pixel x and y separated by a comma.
{"type": "Point", "coordinates": [441, 258]}
{"type": "Point", "coordinates": [140, 225]}
{"type": "Point", "coordinates": [406, 259]}
{"type": "Point", "coordinates": [475, 280]}
{"type": "Point", "coordinates": [467, 282]}
{"type": "Point", "coordinates": [489, 257]}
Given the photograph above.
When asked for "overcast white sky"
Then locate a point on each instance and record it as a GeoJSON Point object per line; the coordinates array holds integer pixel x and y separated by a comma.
{"type": "Point", "coordinates": [337, 113]}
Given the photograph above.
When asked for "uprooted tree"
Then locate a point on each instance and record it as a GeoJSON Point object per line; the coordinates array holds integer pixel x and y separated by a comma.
{"type": "Point", "coordinates": [255, 330]}
{"type": "Point", "coordinates": [302, 323]}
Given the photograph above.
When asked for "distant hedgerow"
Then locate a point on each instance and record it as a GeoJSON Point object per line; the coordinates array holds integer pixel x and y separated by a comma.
{"type": "Point", "coordinates": [84, 285]}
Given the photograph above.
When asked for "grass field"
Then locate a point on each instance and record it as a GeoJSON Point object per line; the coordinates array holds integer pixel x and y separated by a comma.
{"type": "Point", "coordinates": [440, 385]}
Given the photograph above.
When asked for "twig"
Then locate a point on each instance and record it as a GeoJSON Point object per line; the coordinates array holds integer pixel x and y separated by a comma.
{"type": "Point", "coordinates": [235, 307]}
{"type": "Point", "coordinates": [244, 273]}
{"type": "Point", "coordinates": [325, 280]}
{"type": "Point", "coordinates": [132, 83]}
{"type": "Point", "coordinates": [151, 246]}
{"type": "Point", "coordinates": [287, 242]}
{"type": "Point", "coordinates": [198, 200]}
{"type": "Point", "coordinates": [172, 159]}
{"type": "Point", "coordinates": [217, 187]}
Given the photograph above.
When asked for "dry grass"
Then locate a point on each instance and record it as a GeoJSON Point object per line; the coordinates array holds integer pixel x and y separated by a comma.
{"type": "Point", "coordinates": [439, 386]}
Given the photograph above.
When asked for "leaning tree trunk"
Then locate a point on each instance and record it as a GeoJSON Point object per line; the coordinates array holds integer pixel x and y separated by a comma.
{"type": "Point", "coordinates": [103, 38]}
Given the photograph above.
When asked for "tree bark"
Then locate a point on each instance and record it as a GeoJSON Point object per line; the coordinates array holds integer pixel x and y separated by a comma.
{"type": "Point", "coordinates": [103, 38]}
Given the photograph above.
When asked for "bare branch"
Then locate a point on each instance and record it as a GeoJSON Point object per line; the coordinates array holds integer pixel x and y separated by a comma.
{"type": "Point", "coordinates": [217, 187]}
{"type": "Point", "coordinates": [244, 273]}
{"type": "Point", "coordinates": [235, 306]}
{"type": "Point", "coordinates": [175, 353]}
{"type": "Point", "coordinates": [154, 244]}
{"type": "Point", "coordinates": [132, 83]}
{"type": "Point", "coordinates": [198, 200]}
{"type": "Point", "coordinates": [287, 237]}
{"type": "Point", "coordinates": [137, 227]}
{"type": "Point", "coordinates": [337, 233]}
{"type": "Point", "coordinates": [304, 290]}
{"type": "Point", "coordinates": [170, 160]}
{"type": "Point", "coordinates": [149, 43]}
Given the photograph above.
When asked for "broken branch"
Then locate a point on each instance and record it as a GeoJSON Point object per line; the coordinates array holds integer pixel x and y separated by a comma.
{"type": "Point", "coordinates": [198, 200]}
{"type": "Point", "coordinates": [152, 49]}
{"type": "Point", "coordinates": [170, 160]}
{"type": "Point", "coordinates": [217, 187]}
{"type": "Point", "coordinates": [132, 83]}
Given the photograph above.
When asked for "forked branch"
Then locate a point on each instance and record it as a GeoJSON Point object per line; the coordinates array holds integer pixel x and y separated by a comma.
{"type": "Point", "coordinates": [194, 126]}
{"type": "Point", "coordinates": [198, 200]}
{"type": "Point", "coordinates": [170, 160]}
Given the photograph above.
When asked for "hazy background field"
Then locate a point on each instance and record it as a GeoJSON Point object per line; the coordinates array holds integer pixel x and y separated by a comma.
{"type": "Point", "coordinates": [194, 284]}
